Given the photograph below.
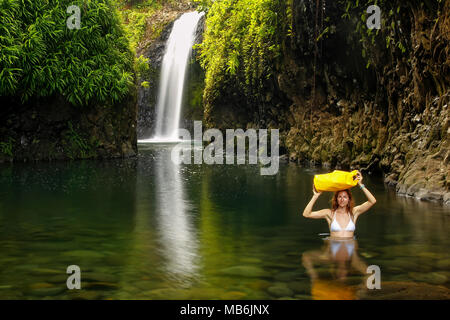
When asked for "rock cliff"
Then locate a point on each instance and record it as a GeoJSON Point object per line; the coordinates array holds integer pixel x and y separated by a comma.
{"type": "Point", "coordinates": [52, 129]}
{"type": "Point", "coordinates": [335, 109]}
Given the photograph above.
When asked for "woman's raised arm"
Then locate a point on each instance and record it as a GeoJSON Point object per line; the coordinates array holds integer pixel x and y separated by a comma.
{"type": "Point", "coordinates": [370, 199]}
{"type": "Point", "coordinates": [308, 213]}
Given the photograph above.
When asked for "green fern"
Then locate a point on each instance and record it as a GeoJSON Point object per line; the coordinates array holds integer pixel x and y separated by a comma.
{"type": "Point", "coordinates": [40, 56]}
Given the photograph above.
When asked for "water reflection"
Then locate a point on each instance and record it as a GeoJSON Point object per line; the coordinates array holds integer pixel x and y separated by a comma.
{"type": "Point", "coordinates": [335, 270]}
{"type": "Point", "coordinates": [178, 240]}
{"type": "Point", "coordinates": [138, 229]}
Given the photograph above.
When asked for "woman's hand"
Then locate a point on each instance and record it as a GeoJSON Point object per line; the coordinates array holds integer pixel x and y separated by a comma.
{"type": "Point", "coordinates": [315, 192]}
{"type": "Point", "coordinates": [359, 177]}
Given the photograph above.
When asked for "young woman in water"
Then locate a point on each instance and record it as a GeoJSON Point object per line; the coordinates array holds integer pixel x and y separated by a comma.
{"type": "Point", "coordinates": [343, 212]}
{"type": "Point", "coordinates": [341, 248]}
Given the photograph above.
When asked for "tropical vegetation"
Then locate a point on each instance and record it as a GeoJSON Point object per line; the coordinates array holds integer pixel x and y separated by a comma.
{"type": "Point", "coordinates": [41, 56]}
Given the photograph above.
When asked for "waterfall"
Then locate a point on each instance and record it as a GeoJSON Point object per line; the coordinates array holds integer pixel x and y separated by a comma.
{"type": "Point", "coordinates": [173, 71]}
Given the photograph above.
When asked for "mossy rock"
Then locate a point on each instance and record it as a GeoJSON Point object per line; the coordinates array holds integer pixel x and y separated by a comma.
{"type": "Point", "coordinates": [393, 290]}
{"type": "Point", "coordinates": [280, 291]}
{"type": "Point", "coordinates": [245, 271]}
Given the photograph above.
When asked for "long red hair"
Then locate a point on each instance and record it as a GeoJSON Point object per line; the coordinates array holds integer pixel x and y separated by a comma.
{"type": "Point", "coordinates": [350, 204]}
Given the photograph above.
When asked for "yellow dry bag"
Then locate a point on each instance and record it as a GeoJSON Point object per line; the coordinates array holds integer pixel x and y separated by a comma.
{"type": "Point", "coordinates": [335, 181]}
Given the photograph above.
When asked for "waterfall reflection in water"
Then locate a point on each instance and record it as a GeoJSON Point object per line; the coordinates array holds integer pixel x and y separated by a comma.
{"type": "Point", "coordinates": [177, 236]}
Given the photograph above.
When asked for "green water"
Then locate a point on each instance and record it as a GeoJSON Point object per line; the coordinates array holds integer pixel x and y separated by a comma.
{"type": "Point", "coordinates": [147, 229]}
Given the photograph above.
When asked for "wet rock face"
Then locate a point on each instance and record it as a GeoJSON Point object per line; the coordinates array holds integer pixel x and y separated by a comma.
{"type": "Point", "coordinates": [416, 154]}
{"type": "Point", "coordinates": [335, 120]}
{"type": "Point", "coordinates": [390, 119]}
{"type": "Point", "coordinates": [52, 129]}
{"type": "Point", "coordinates": [147, 97]}
{"type": "Point", "coordinates": [200, 30]}
{"type": "Point", "coordinates": [384, 119]}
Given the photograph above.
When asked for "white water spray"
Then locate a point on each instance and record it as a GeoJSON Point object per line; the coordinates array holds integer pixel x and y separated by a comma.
{"type": "Point", "coordinates": [173, 72]}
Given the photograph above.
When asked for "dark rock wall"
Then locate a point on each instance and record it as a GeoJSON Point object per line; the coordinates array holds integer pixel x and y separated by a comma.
{"type": "Point", "coordinates": [53, 129]}
{"type": "Point", "coordinates": [329, 106]}
{"type": "Point", "coordinates": [390, 118]}
{"type": "Point", "coordinates": [147, 97]}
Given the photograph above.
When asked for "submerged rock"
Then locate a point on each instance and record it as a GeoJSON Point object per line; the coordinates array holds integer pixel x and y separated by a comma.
{"type": "Point", "coordinates": [43, 292]}
{"type": "Point", "coordinates": [233, 295]}
{"type": "Point", "coordinates": [205, 293]}
{"type": "Point", "coordinates": [99, 286]}
{"type": "Point", "coordinates": [84, 254]}
{"type": "Point", "coordinates": [98, 277]}
{"type": "Point", "coordinates": [41, 285]}
{"type": "Point", "coordinates": [165, 294]}
{"type": "Point", "coordinates": [280, 291]}
{"type": "Point", "coordinates": [287, 276]}
{"type": "Point", "coordinates": [258, 285]}
{"type": "Point", "coordinates": [443, 264]}
{"type": "Point", "coordinates": [251, 260]}
{"type": "Point", "coordinates": [431, 277]}
{"type": "Point", "coordinates": [286, 298]}
{"type": "Point", "coordinates": [300, 286]}
{"type": "Point", "coordinates": [245, 271]}
{"type": "Point", "coordinates": [302, 297]}
{"type": "Point", "coordinates": [46, 271]}
{"type": "Point", "coordinates": [85, 295]}
{"type": "Point", "coordinates": [405, 291]}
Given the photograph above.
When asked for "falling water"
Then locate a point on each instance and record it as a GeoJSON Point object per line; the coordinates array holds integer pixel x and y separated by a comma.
{"type": "Point", "coordinates": [178, 51]}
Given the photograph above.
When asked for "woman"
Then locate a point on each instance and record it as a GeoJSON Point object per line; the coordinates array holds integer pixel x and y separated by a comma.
{"type": "Point", "coordinates": [343, 215]}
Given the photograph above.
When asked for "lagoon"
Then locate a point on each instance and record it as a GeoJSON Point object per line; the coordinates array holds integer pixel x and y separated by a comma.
{"type": "Point", "coordinates": [146, 228]}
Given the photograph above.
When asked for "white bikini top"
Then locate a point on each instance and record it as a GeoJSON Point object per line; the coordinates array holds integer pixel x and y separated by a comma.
{"type": "Point", "coordinates": [336, 227]}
